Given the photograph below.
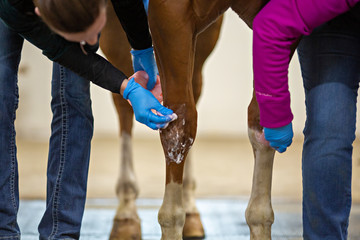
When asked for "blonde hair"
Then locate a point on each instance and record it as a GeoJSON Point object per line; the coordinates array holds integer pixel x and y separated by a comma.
{"type": "Point", "coordinates": [69, 16]}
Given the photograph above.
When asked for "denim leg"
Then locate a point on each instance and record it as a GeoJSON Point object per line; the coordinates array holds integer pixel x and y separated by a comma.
{"type": "Point", "coordinates": [330, 65]}
{"type": "Point", "coordinates": [10, 54]}
{"type": "Point", "coordinates": [69, 153]}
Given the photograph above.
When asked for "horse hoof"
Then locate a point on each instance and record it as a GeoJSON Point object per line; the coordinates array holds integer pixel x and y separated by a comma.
{"type": "Point", "coordinates": [193, 228]}
{"type": "Point", "coordinates": [126, 229]}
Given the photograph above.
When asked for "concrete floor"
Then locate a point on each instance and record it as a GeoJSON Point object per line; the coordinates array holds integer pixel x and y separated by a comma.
{"type": "Point", "coordinates": [223, 171]}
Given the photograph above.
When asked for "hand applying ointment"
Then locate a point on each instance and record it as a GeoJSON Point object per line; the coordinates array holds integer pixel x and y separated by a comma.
{"type": "Point", "coordinates": [145, 102]}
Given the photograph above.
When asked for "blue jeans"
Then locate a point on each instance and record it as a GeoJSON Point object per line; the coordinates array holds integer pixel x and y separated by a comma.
{"type": "Point", "coordinates": [69, 148]}
{"type": "Point", "coordinates": [330, 65]}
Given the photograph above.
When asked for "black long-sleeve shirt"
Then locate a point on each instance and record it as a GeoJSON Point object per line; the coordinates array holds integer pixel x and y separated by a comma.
{"type": "Point", "coordinates": [19, 15]}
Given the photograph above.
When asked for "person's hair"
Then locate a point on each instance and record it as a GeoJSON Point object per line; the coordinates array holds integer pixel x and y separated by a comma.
{"type": "Point", "coordinates": [69, 16]}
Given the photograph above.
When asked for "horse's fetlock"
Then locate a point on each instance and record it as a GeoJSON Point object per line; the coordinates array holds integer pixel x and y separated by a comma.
{"type": "Point", "coordinates": [169, 218]}
{"type": "Point", "coordinates": [259, 215]}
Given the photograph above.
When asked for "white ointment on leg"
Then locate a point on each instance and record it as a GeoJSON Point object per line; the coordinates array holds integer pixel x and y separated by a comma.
{"type": "Point", "coordinates": [176, 145]}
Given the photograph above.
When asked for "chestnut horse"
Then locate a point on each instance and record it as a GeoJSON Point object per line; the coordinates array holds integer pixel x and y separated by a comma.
{"type": "Point", "coordinates": [178, 27]}
{"type": "Point", "coordinates": [114, 45]}
{"type": "Point", "coordinates": [175, 25]}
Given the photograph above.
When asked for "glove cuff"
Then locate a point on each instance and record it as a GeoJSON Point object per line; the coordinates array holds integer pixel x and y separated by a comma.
{"type": "Point", "coordinates": [142, 51]}
{"type": "Point", "coordinates": [129, 87]}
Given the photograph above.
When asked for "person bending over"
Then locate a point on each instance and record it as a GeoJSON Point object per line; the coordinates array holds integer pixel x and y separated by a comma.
{"type": "Point", "coordinates": [330, 65]}
{"type": "Point", "coordinates": [70, 41]}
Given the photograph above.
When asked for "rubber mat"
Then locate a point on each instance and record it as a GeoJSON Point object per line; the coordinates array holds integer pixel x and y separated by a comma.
{"type": "Point", "coordinates": [223, 219]}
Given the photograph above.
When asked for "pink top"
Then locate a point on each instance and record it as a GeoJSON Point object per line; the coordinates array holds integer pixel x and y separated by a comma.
{"type": "Point", "coordinates": [277, 26]}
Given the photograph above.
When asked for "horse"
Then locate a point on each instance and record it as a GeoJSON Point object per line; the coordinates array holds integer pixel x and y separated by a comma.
{"type": "Point", "coordinates": [179, 29]}
{"type": "Point", "coordinates": [114, 45]}
{"type": "Point", "coordinates": [175, 26]}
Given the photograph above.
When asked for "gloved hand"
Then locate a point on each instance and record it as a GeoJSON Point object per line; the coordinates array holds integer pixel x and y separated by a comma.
{"type": "Point", "coordinates": [279, 138]}
{"type": "Point", "coordinates": [142, 78]}
{"type": "Point", "coordinates": [145, 60]}
{"type": "Point", "coordinates": [143, 101]}
{"type": "Point", "coordinates": [146, 5]}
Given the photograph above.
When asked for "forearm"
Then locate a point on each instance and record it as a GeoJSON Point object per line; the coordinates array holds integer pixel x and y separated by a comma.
{"type": "Point", "coordinates": [133, 18]}
{"type": "Point", "coordinates": [91, 66]}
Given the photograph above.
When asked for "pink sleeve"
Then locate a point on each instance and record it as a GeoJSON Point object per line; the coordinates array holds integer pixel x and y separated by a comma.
{"type": "Point", "coordinates": [277, 26]}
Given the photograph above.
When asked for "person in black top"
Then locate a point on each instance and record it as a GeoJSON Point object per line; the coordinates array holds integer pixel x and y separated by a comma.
{"type": "Point", "coordinates": [19, 16]}
{"type": "Point", "coordinates": [69, 39]}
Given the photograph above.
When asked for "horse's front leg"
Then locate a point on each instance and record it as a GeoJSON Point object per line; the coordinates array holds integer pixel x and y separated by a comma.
{"type": "Point", "coordinates": [205, 43]}
{"type": "Point", "coordinates": [176, 140]}
{"type": "Point", "coordinates": [174, 39]}
{"type": "Point", "coordinates": [259, 212]}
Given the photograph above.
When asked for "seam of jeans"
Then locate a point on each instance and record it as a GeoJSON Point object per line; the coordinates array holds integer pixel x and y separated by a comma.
{"type": "Point", "coordinates": [16, 237]}
{"type": "Point", "coordinates": [64, 112]}
{"type": "Point", "coordinates": [348, 208]}
{"type": "Point", "coordinates": [13, 154]}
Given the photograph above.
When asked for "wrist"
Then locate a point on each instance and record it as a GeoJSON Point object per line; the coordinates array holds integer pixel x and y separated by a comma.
{"type": "Point", "coordinates": [123, 86]}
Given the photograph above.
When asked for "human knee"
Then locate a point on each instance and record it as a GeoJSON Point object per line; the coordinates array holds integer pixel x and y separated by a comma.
{"type": "Point", "coordinates": [331, 112]}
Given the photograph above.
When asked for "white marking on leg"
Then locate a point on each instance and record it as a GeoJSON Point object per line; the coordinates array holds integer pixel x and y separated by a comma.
{"type": "Point", "coordinates": [171, 214]}
{"type": "Point", "coordinates": [259, 213]}
{"type": "Point", "coordinates": [127, 188]}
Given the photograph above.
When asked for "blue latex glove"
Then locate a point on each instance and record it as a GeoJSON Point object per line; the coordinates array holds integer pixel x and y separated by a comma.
{"type": "Point", "coordinates": [144, 60]}
{"type": "Point", "coordinates": [146, 5]}
{"type": "Point", "coordinates": [142, 102]}
{"type": "Point", "coordinates": [279, 138]}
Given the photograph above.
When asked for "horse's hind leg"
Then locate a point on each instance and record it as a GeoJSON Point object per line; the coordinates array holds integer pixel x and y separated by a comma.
{"type": "Point", "coordinates": [259, 212]}
{"type": "Point", "coordinates": [205, 44]}
{"type": "Point", "coordinates": [114, 44]}
{"type": "Point", "coordinates": [126, 223]}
